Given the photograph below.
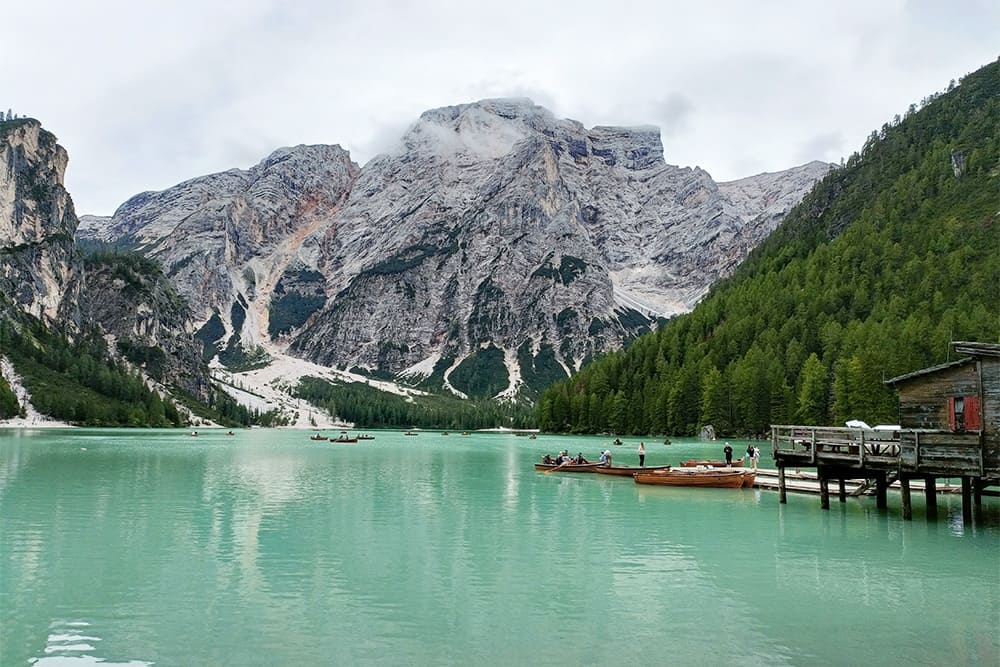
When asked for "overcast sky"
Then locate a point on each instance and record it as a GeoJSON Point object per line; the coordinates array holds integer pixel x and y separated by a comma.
{"type": "Point", "coordinates": [144, 95]}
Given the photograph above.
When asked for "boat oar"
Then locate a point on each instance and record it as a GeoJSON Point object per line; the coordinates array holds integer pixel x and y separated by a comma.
{"type": "Point", "coordinates": [564, 463]}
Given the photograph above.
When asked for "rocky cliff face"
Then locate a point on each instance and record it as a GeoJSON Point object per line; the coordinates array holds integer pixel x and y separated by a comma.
{"type": "Point", "coordinates": [145, 320]}
{"type": "Point", "coordinates": [43, 275]}
{"type": "Point", "coordinates": [225, 240]}
{"type": "Point", "coordinates": [496, 240]}
{"type": "Point", "coordinates": [38, 271]}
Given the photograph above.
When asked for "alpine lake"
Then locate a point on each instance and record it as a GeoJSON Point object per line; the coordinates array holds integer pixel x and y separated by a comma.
{"type": "Point", "coordinates": [137, 547]}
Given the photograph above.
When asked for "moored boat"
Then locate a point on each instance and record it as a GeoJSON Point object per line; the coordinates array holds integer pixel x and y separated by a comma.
{"type": "Point", "coordinates": [627, 471]}
{"type": "Point", "coordinates": [568, 467]}
{"type": "Point", "coordinates": [729, 479]}
{"type": "Point", "coordinates": [694, 463]}
{"type": "Point", "coordinates": [749, 477]}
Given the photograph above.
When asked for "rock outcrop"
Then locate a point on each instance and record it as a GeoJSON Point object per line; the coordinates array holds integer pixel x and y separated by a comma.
{"type": "Point", "coordinates": [38, 271]}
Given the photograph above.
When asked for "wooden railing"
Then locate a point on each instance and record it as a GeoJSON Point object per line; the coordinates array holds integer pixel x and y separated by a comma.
{"type": "Point", "coordinates": [829, 443]}
{"type": "Point", "coordinates": [915, 450]}
{"type": "Point", "coordinates": [942, 451]}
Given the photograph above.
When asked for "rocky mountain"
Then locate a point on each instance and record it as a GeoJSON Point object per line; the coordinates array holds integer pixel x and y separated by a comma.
{"type": "Point", "coordinates": [496, 241]}
{"type": "Point", "coordinates": [42, 274]}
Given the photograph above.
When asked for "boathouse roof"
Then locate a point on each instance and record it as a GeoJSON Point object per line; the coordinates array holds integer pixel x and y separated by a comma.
{"type": "Point", "coordinates": [929, 371]}
{"type": "Point", "coordinates": [977, 349]}
{"type": "Point", "coordinates": [962, 347]}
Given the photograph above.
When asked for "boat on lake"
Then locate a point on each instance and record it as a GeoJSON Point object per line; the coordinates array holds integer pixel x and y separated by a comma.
{"type": "Point", "coordinates": [344, 439]}
{"type": "Point", "coordinates": [318, 437]}
{"type": "Point", "coordinates": [694, 463]}
{"type": "Point", "coordinates": [366, 437]}
{"type": "Point", "coordinates": [628, 471]}
{"type": "Point", "coordinates": [569, 467]}
{"type": "Point", "coordinates": [727, 479]}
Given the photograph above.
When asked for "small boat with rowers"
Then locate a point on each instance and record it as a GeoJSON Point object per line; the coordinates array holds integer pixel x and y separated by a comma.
{"type": "Point", "coordinates": [569, 466]}
{"type": "Point", "coordinates": [726, 479]}
{"type": "Point", "coordinates": [628, 471]}
{"type": "Point", "coordinates": [318, 437]}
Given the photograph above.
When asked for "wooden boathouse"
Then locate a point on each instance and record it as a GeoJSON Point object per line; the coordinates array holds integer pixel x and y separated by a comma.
{"type": "Point", "coordinates": [949, 427]}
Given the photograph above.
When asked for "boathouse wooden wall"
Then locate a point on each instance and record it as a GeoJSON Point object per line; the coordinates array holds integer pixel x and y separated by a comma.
{"type": "Point", "coordinates": [926, 402]}
{"type": "Point", "coordinates": [990, 380]}
{"type": "Point", "coordinates": [923, 399]}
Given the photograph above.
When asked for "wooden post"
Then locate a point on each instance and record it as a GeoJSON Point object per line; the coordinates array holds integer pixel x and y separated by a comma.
{"type": "Point", "coordinates": [824, 491]}
{"type": "Point", "coordinates": [977, 498]}
{"type": "Point", "coordinates": [904, 487]}
{"type": "Point", "coordinates": [781, 485]}
{"type": "Point", "coordinates": [966, 500]}
{"type": "Point", "coordinates": [881, 500]}
{"type": "Point", "coordinates": [930, 495]}
{"type": "Point", "coordinates": [843, 491]}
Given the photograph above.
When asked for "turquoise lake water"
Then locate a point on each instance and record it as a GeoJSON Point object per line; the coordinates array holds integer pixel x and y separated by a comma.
{"type": "Point", "coordinates": [154, 548]}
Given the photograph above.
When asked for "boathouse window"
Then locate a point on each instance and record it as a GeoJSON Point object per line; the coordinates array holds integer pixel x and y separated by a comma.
{"type": "Point", "coordinates": [963, 413]}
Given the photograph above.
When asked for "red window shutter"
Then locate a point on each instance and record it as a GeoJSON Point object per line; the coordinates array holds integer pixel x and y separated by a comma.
{"type": "Point", "coordinates": [951, 413]}
{"type": "Point", "coordinates": [973, 416]}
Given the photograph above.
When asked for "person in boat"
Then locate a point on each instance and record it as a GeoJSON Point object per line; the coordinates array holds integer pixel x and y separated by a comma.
{"type": "Point", "coordinates": [618, 441]}
{"type": "Point", "coordinates": [564, 456]}
{"type": "Point", "coordinates": [606, 457]}
{"type": "Point", "coordinates": [579, 459]}
{"type": "Point", "coordinates": [728, 451]}
{"type": "Point", "coordinates": [230, 433]}
{"type": "Point", "coordinates": [548, 460]}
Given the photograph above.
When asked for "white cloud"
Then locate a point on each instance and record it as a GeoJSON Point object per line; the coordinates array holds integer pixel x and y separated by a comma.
{"type": "Point", "coordinates": [144, 96]}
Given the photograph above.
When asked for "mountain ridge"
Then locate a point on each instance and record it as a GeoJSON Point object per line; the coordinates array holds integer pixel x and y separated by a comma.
{"type": "Point", "coordinates": [491, 225]}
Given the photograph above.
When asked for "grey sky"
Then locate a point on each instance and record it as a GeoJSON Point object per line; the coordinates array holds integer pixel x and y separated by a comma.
{"type": "Point", "coordinates": [144, 95]}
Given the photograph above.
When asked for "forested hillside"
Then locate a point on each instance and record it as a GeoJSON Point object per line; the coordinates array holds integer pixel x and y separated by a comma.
{"type": "Point", "coordinates": [886, 261]}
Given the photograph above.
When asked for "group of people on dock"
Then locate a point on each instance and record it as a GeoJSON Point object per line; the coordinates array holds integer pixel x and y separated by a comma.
{"type": "Point", "coordinates": [753, 454]}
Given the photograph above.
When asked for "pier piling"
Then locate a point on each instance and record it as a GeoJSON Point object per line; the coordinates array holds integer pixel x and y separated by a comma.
{"type": "Point", "coordinates": [904, 488]}
{"type": "Point", "coordinates": [930, 496]}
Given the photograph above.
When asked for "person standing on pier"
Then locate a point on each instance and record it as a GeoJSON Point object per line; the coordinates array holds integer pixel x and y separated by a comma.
{"type": "Point", "coordinates": [728, 449]}
{"type": "Point", "coordinates": [642, 454]}
{"type": "Point", "coordinates": [755, 457]}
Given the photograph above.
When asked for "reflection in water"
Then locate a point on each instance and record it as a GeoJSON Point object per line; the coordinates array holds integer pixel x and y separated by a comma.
{"type": "Point", "coordinates": [71, 643]}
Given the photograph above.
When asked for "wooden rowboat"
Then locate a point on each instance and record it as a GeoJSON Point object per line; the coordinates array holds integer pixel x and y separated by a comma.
{"type": "Point", "coordinates": [344, 440]}
{"type": "Point", "coordinates": [728, 479]}
{"type": "Point", "coordinates": [569, 467]}
{"type": "Point", "coordinates": [694, 463]}
{"type": "Point", "coordinates": [627, 471]}
{"type": "Point", "coordinates": [318, 437]}
{"type": "Point", "coordinates": [749, 477]}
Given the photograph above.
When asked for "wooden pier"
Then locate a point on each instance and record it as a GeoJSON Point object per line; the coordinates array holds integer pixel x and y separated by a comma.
{"type": "Point", "coordinates": [807, 481]}
{"type": "Point", "coordinates": [949, 429]}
